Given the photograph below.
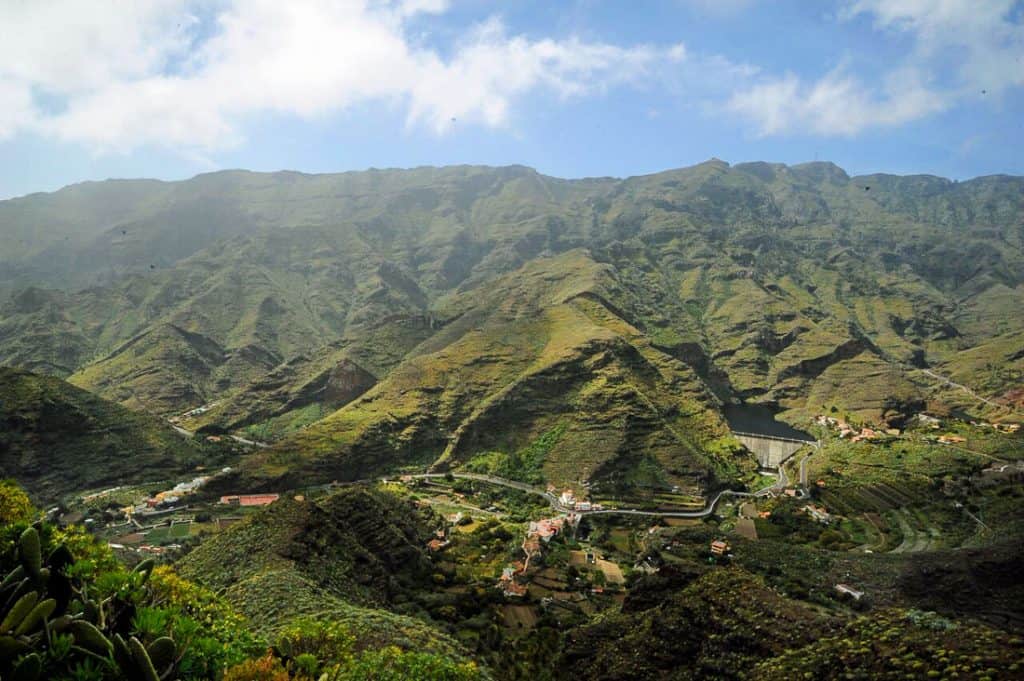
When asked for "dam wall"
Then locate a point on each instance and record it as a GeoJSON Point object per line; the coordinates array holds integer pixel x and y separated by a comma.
{"type": "Point", "coordinates": [771, 451]}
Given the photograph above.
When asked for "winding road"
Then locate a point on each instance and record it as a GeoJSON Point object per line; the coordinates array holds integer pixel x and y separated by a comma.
{"type": "Point", "coordinates": [188, 433]}
{"type": "Point", "coordinates": [953, 384]}
{"type": "Point", "coordinates": [708, 509]}
{"type": "Point", "coordinates": [803, 463]}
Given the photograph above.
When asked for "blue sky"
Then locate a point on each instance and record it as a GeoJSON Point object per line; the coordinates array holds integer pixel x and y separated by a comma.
{"type": "Point", "coordinates": [171, 88]}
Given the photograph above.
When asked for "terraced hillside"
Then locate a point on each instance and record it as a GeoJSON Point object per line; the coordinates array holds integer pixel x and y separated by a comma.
{"type": "Point", "coordinates": [585, 329]}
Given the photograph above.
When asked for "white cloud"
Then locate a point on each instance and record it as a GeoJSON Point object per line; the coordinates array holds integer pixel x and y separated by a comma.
{"type": "Point", "coordinates": [69, 46]}
{"type": "Point", "coordinates": [837, 104]}
{"type": "Point", "coordinates": [490, 69]}
{"type": "Point", "coordinates": [959, 48]}
{"type": "Point", "coordinates": [978, 35]}
{"type": "Point", "coordinates": [155, 73]}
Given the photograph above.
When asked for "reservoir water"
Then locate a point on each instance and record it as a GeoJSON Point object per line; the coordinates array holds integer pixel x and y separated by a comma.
{"type": "Point", "coordinates": [760, 420]}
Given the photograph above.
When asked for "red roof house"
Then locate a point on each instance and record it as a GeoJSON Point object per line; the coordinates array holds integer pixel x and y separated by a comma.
{"type": "Point", "coordinates": [249, 499]}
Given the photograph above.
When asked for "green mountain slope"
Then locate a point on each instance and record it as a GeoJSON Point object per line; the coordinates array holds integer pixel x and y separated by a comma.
{"type": "Point", "coordinates": [540, 351]}
{"type": "Point", "coordinates": [436, 316]}
{"type": "Point", "coordinates": [727, 624]}
{"type": "Point", "coordinates": [716, 627]}
{"type": "Point", "coordinates": [346, 558]}
{"type": "Point", "coordinates": [56, 439]}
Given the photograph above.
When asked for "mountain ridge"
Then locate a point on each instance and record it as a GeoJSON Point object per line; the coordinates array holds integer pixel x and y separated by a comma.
{"type": "Point", "coordinates": [796, 287]}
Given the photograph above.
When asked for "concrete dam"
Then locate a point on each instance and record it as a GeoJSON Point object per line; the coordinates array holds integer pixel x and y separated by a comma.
{"type": "Point", "coordinates": [771, 441]}
{"type": "Point", "coordinates": [770, 450]}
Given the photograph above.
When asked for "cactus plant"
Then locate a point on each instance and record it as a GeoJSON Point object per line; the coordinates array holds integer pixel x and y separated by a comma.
{"type": "Point", "coordinates": [143, 663]}
{"type": "Point", "coordinates": [50, 624]}
{"type": "Point", "coordinates": [162, 652]}
{"type": "Point", "coordinates": [145, 569]}
{"type": "Point", "coordinates": [28, 668]}
{"type": "Point", "coordinates": [35, 618]}
{"type": "Point", "coordinates": [30, 553]}
{"type": "Point", "coordinates": [18, 612]}
{"type": "Point", "coordinates": [89, 637]}
{"type": "Point", "coordinates": [14, 576]}
{"type": "Point", "coordinates": [122, 653]}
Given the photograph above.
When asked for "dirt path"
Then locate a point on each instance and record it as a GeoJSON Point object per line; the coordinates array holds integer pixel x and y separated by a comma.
{"type": "Point", "coordinates": [746, 528]}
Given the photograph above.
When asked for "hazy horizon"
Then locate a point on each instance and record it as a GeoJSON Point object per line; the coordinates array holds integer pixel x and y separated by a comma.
{"type": "Point", "coordinates": [172, 89]}
{"type": "Point", "coordinates": [273, 171]}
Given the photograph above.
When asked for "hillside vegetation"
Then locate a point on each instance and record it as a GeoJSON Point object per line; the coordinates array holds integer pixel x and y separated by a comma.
{"type": "Point", "coordinates": [56, 438]}
{"type": "Point", "coordinates": [74, 612]}
{"type": "Point", "coordinates": [355, 547]}
{"type": "Point", "coordinates": [430, 317]}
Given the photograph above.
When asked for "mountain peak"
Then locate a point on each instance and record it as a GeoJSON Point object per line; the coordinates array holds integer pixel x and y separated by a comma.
{"type": "Point", "coordinates": [821, 171]}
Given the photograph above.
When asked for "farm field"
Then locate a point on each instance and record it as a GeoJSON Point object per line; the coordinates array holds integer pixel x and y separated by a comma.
{"type": "Point", "coordinates": [176, 531]}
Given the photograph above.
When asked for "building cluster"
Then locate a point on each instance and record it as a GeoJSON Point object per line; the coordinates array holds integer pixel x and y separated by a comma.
{"type": "Point", "coordinates": [567, 499]}
{"type": "Point", "coordinates": [168, 499]}
{"type": "Point", "coordinates": [818, 513]}
{"type": "Point", "coordinates": [437, 543]}
{"type": "Point", "coordinates": [646, 566]}
{"type": "Point", "coordinates": [158, 550]}
{"type": "Point", "coordinates": [1008, 428]}
{"type": "Point", "coordinates": [854, 434]}
{"type": "Point", "coordinates": [1000, 474]}
{"type": "Point", "coordinates": [508, 583]}
{"type": "Point", "coordinates": [441, 538]}
{"type": "Point", "coordinates": [538, 532]}
{"type": "Point", "coordinates": [191, 413]}
{"type": "Point", "coordinates": [547, 528]}
{"type": "Point", "coordinates": [171, 499]}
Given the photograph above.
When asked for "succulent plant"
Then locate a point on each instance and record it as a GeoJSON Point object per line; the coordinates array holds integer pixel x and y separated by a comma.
{"type": "Point", "coordinates": [41, 604]}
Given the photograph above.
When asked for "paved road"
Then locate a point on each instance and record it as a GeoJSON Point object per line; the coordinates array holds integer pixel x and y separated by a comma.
{"type": "Point", "coordinates": [781, 483]}
{"type": "Point", "coordinates": [972, 516]}
{"type": "Point", "coordinates": [703, 513]}
{"type": "Point", "coordinates": [251, 443]}
{"type": "Point", "coordinates": [181, 431]}
{"type": "Point", "coordinates": [708, 509]}
{"type": "Point", "coordinates": [188, 433]}
{"type": "Point", "coordinates": [803, 464]}
{"type": "Point", "coordinates": [967, 390]}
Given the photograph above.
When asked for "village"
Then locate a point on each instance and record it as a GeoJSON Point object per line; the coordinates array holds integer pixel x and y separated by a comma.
{"type": "Point", "coordinates": [142, 521]}
{"type": "Point", "coordinates": [863, 433]}
{"type": "Point", "coordinates": [569, 564]}
{"type": "Point", "coordinates": [550, 552]}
